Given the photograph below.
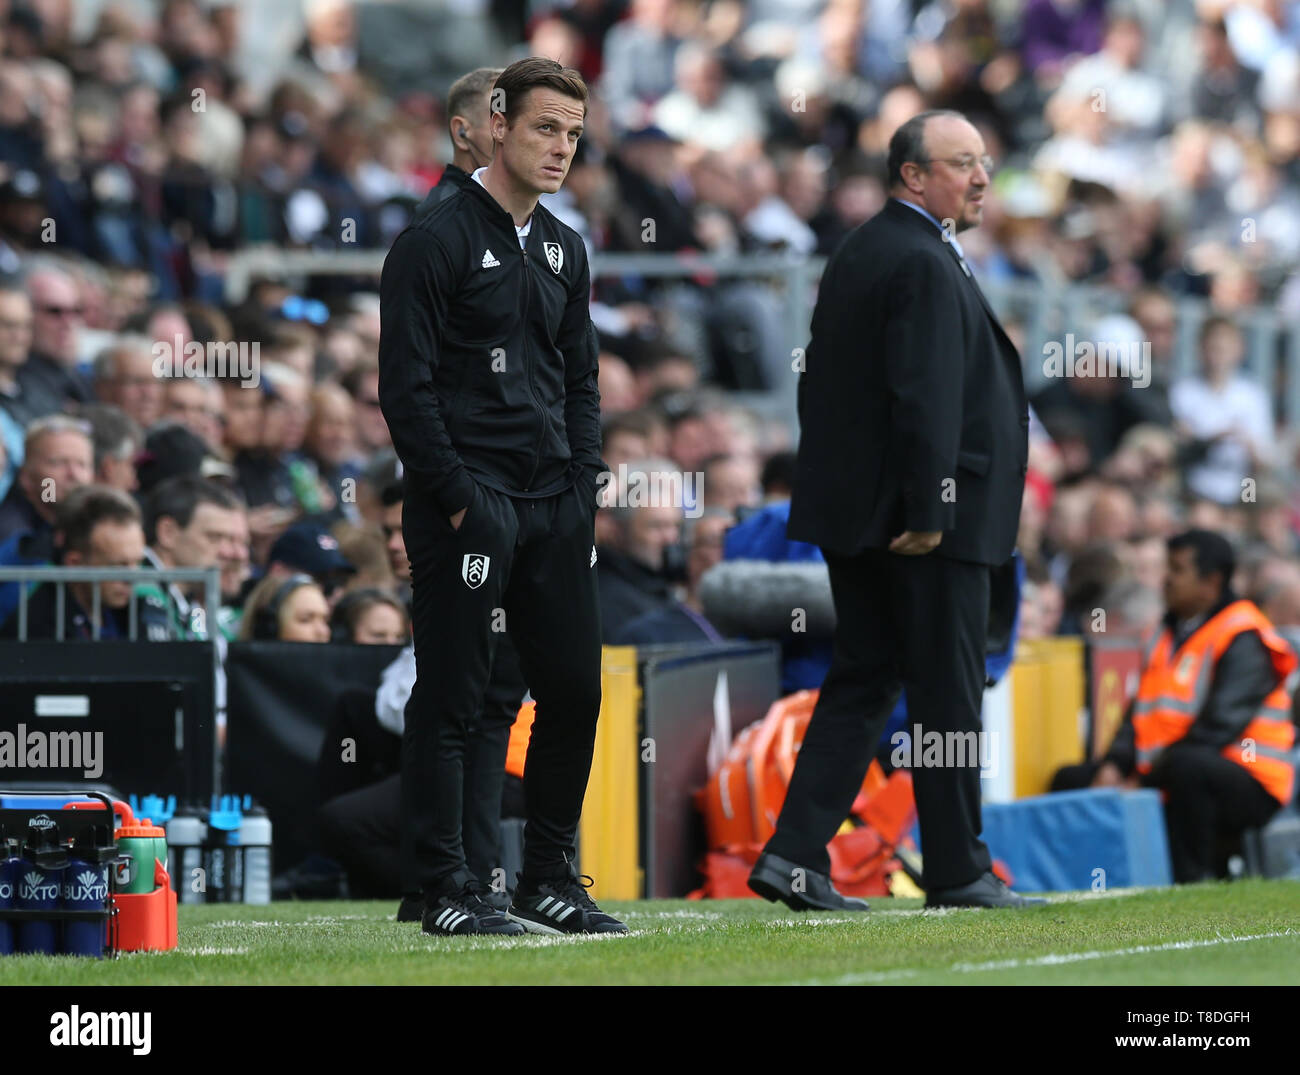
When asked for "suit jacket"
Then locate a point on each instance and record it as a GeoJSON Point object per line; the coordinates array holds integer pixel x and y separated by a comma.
{"type": "Point", "coordinates": [911, 401]}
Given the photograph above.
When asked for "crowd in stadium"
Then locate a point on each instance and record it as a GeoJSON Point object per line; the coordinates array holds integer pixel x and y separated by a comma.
{"type": "Point", "coordinates": [1134, 142]}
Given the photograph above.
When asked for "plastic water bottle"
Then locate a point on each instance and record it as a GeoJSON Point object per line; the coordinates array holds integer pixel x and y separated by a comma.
{"type": "Point", "coordinates": [10, 864]}
{"type": "Point", "coordinates": [39, 881]}
{"type": "Point", "coordinates": [185, 835]}
{"type": "Point", "coordinates": [221, 859]}
{"type": "Point", "coordinates": [141, 843]}
{"type": "Point", "coordinates": [85, 888]}
{"type": "Point", "coordinates": [255, 848]}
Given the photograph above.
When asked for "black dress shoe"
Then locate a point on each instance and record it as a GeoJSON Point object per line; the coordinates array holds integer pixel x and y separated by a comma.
{"type": "Point", "coordinates": [411, 909]}
{"type": "Point", "coordinates": [985, 891]}
{"type": "Point", "coordinates": [798, 887]}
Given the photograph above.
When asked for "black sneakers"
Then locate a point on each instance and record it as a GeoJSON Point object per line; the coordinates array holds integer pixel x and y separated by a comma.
{"type": "Point", "coordinates": [466, 911]}
{"type": "Point", "coordinates": [560, 905]}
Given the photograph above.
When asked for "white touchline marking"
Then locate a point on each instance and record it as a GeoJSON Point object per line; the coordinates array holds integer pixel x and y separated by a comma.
{"type": "Point", "coordinates": [1054, 959]}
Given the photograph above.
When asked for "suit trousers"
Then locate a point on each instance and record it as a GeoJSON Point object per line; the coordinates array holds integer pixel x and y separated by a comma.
{"type": "Point", "coordinates": [526, 566]}
{"type": "Point", "coordinates": [914, 623]}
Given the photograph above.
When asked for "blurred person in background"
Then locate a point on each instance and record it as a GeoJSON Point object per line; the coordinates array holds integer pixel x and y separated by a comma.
{"type": "Point", "coordinates": [118, 441]}
{"type": "Point", "coordinates": [124, 376]}
{"type": "Point", "coordinates": [1225, 419]}
{"type": "Point", "coordinates": [58, 456]}
{"type": "Point", "coordinates": [371, 618]}
{"type": "Point", "coordinates": [96, 527]}
{"type": "Point", "coordinates": [292, 609]}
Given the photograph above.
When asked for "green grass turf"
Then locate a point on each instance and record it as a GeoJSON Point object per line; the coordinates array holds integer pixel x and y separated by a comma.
{"type": "Point", "coordinates": [1078, 939]}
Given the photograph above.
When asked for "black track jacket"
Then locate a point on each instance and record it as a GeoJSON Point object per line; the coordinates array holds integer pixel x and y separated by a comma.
{"type": "Point", "coordinates": [487, 353]}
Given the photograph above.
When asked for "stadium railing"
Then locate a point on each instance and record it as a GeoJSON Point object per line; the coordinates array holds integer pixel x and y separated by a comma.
{"type": "Point", "coordinates": [1047, 312]}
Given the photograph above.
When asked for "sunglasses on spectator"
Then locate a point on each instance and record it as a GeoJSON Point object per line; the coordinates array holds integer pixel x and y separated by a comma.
{"type": "Point", "coordinates": [61, 311]}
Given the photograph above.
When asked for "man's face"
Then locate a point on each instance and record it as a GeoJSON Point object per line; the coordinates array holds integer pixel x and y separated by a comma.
{"type": "Point", "coordinates": [15, 328]}
{"type": "Point", "coordinates": [56, 316]}
{"type": "Point", "coordinates": [211, 539]}
{"type": "Point", "coordinates": [952, 191]}
{"type": "Point", "coordinates": [134, 388]}
{"type": "Point", "coordinates": [650, 530]}
{"type": "Point", "coordinates": [67, 458]}
{"type": "Point", "coordinates": [191, 404]}
{"type": "Point", "coordinates": [1186, 592]}
{"type": "Point", "coordinates": [395, 542]}
{"type": "Point", "coordinates": [537, 148]}
{"type": "Point", "coordinates": [706, 546]}
{"type": "Point", "coordinates": [112, 544]}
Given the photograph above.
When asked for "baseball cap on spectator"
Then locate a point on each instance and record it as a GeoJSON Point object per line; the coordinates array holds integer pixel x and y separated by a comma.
{"type": "Point", "coordinates": [311, 548]}
{"type": "Point", "coordinates": [172, 450]}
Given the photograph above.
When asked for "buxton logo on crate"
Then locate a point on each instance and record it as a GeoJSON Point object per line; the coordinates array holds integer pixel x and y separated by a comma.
{"type": "Point", "coordinates": [41, 822]}
{"type": "Point", "coordinates": [37, 886]}
{"type": "Point", "coordinates": [87, 885]}
{"type": "Point", "coordinates": [6, 891]}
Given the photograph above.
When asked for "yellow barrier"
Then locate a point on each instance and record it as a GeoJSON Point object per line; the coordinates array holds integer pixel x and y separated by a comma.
{"type": "Point", "coordinates": [608, 840]}
{"type": "Point", "coordinates": [1047, 703]}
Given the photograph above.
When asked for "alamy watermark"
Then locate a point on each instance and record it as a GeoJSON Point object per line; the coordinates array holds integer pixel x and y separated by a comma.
{"type": "Point", "coordinates": [217, 360]}
{"type": "Point", "coordinates": [652, 489]}
{"type": "Point", "coordinates": [919, 749]}
{"type": "Point", "coordinates": [1084, 358]}
{"type": "Point", "coordinates": [31, 749]}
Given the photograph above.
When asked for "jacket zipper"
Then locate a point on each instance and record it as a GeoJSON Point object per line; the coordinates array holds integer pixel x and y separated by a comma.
{"type": "Point", "coordinates": [528, 367]}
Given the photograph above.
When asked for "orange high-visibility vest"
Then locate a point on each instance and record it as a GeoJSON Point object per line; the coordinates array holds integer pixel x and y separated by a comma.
{"type": "Point", "coordinates": [1176, 684]}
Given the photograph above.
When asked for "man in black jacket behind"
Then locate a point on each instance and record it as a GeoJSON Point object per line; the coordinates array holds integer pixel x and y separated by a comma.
{"type": "Point", "coordinates": [488, 382]}
{"type": "Point", "coordinates": [468, 123]}
{"type": "Point", "coordinates": [910, 472]}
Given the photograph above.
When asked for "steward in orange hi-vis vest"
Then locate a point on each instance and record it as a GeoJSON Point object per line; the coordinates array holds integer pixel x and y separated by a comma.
{"type": "Point", "coordinates": [1176, 683]}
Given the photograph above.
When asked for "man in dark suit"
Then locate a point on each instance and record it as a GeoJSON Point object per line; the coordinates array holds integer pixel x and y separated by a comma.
{"type": "Point", "coordinates": [910, 472]}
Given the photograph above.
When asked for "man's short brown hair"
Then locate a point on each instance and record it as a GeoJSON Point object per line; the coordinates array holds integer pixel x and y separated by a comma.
{"type": "Point", "coordinates": [468, 94]}
{"type": "Point", "coordinates": [536, 72]}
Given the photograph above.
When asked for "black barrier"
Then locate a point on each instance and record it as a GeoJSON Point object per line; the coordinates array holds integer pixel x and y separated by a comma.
{"type": "Point", "coordinates": [678, 704]}
{"type": "Point", "coordinates": [134, 715]}
{"type": "Point", "coordinates": [280, 697]}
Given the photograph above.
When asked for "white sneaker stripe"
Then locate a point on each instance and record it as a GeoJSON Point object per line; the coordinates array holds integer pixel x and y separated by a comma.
{"type": "Point", "coordinates": [542, 906]}
{"type": "Point", "coordinates": [440, 921]}
{"type": "Point", "coordinates": [567, 911]}
{"type": "Point", "coordinates": [451, 926]}
{"type": "Point", "coordinates": [557, 909]}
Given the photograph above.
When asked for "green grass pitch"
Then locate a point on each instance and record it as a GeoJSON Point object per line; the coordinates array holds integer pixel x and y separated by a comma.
{"type": "Point", "coordinates": [1246, 932]}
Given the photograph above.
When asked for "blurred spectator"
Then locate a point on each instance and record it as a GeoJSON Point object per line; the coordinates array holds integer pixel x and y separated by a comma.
{"type": "Point", "coordinates": [684, 620]}
{"type": "Point", "coordinates": [371, 618]}
{"type": "Point", "coordinates": [1225, 418]}
{"type": "Point", "coordinates": [124, 377]}
{"type": "Point", "coordinates": [307, 548]}
{"type": "Point", "coordinates": [198, 404]}
{"type": "Point", "coordinates": [634, 565]}
{"type": "Point", "coordinates": [58, 457]}
{"type": "Point", "coordinates": [291, 609]}
{"type": "Point", "coordinates": [96, 527]}
{"type": "Point", "coordinates": [50, 377]}
{"type": "Point", "coordinates": [190, 522]}
{"type": "Point", "coordinates": [118, 441]}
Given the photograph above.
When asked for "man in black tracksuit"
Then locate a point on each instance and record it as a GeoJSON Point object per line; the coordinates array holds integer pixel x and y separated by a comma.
{"type": "Point", "coordinates": [488, 382]}
{"type": "Point", "coordinates": [468, 113]}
